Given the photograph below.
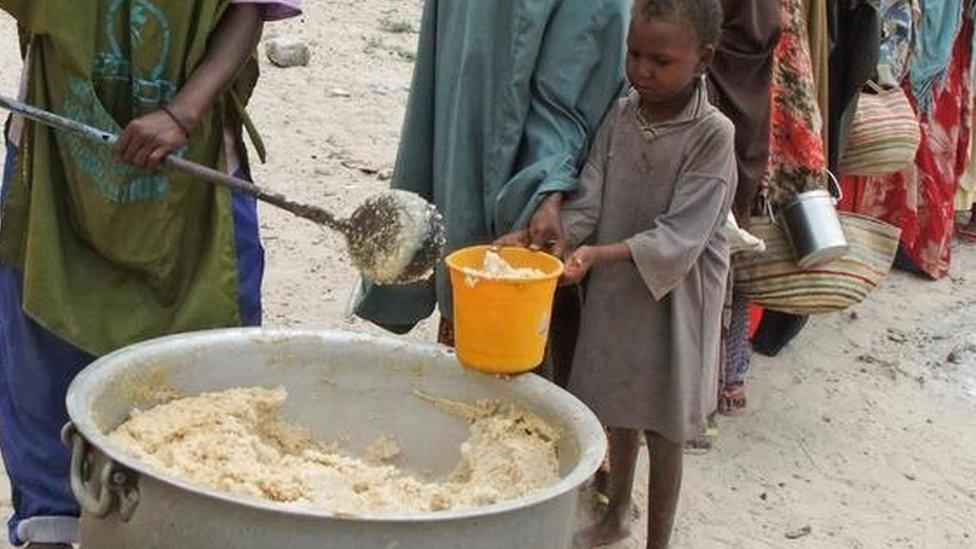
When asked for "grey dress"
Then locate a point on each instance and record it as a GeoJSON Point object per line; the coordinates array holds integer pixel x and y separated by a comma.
{"type": "Point", "coordinates": [649, 338]}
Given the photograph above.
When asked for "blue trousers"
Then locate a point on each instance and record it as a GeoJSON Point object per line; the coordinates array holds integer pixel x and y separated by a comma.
{"type": "Point", "coordinates": [36, 368]}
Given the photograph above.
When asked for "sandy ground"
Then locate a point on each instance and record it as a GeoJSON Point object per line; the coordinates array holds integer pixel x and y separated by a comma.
{"type": "Point", "coordinates": [863, 430]}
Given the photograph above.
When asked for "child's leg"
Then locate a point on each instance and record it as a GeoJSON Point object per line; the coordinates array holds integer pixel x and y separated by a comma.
{"type": "Point", "coordinates": [614, 526]}
{"type": "Point", "coordinates": [663, 489]}
{"type": "Point", "coordinates": [738, 358]}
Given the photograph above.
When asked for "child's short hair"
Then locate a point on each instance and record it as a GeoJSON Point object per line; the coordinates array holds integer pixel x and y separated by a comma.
{"type": "Point", "coordinates": [705, 16]}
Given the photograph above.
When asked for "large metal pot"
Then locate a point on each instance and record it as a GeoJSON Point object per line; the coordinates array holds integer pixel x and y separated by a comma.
{"type": "Point", "coordinates": [812, 227]}
{"type": "Point", "coordinates": [343, 386]}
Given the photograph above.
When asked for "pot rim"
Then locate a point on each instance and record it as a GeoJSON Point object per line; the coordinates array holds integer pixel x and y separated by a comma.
{"type": "Point", "coordinates": [591, 438]}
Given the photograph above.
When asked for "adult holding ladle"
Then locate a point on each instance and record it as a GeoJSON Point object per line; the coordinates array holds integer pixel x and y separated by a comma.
{"type": "Point", "coordinates": [97, 249]}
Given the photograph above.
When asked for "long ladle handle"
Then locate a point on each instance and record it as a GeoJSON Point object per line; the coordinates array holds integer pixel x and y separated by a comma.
{"type": "Point", "coordinates": [313, 213]}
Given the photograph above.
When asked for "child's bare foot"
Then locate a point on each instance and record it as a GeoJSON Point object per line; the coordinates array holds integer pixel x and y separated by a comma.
{"type": "Point", "coordinates": [605, 532]}
{"type": "Point", "coordinates": [701, 444]}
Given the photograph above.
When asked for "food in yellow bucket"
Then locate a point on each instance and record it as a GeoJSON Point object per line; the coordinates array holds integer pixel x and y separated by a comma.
{"type": "Point", "coordinates": [502, 306]}
{"type": "Point", "coordinates": [234, 441]}
{"type": "Point", "coordinates": [495, 266]}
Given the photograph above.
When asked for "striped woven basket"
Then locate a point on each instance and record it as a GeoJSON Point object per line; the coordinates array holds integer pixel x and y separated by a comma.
{"type": "Point", "coordinates": [772, 279]}
{"type": "Point", "coordinates": [884, 135]}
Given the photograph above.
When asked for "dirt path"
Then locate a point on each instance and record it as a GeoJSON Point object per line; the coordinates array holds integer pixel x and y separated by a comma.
{"type": "Point", "coordinates": [861, 430]}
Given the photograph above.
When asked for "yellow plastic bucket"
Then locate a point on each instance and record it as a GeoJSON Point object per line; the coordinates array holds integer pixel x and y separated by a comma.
{"type": "Point", "coordinates": [501, 325]}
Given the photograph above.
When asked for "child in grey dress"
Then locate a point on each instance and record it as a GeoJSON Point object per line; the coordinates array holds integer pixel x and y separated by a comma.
{"type": "Point", "coordinates": [646, 227]}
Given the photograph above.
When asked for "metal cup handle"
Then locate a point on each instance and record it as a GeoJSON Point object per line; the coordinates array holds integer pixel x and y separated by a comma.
{"type": "Point", "coordinates": [834, 188]}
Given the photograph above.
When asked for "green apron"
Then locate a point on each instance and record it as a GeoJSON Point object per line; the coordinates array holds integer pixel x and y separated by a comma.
{"type": "Point", "coordinates": [111, 254]}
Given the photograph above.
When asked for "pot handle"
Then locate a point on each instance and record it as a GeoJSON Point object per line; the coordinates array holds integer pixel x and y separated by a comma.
{"type": "Point", "coordinates": [114, 489]}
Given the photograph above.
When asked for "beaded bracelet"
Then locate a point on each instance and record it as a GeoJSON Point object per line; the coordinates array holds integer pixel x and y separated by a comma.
{"type": "Point", "coordinates": [186, 130]}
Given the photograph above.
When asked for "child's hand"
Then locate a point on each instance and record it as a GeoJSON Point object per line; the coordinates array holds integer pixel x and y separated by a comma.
{"type": "Point", "coordinates": [580, 263]}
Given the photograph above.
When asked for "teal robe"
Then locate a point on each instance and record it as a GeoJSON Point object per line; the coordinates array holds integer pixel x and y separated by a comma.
{"type": "Point", "coordinates": [506, 97]}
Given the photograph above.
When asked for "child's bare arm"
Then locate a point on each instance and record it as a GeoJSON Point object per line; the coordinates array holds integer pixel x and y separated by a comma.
{"type": "Point", "coordinates": [147, 140]}
{"type": "Point", "coordinates": [233, 42]}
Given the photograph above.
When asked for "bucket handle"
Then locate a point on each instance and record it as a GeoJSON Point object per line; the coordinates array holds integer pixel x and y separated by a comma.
{"type": "Point", "coordinates": [114, 489]}
{"type": "Point", "coordinates": [770, 211]}
{"type": "Point", "coordinates": [834, 188]}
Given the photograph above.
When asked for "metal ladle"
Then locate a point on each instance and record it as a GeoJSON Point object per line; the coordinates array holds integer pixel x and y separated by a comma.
{"type": "Point", "coordinates": [393, 237]}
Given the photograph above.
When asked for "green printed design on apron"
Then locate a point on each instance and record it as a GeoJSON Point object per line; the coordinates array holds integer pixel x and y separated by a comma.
{"type": "Point", "coordinates": [113, 254]}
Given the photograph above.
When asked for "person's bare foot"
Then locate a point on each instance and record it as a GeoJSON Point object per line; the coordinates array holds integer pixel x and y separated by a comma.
{"type": "Point", "coordinates": [701, 444]}
{"type": "Point", "coordinates": [603, 533]}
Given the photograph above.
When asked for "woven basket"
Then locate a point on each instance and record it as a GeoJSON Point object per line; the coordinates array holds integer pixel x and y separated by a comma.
{"type": "Point", "coordinates": [773, 280]}
{"type": "Point", "coordinates": [884, 135]}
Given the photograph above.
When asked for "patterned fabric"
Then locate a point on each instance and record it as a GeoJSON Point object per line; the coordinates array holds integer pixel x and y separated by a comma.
{"type": "Point", "coordinates": [738, 353]}
{"type": "Point", "coordinates": [897, 40]}
{"type": "Point", "coordinates": [920, 199]}
{"type": "Point", "coordinates": [797, 160]}
{"type": "Point", "coordinates": [941, 21]}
